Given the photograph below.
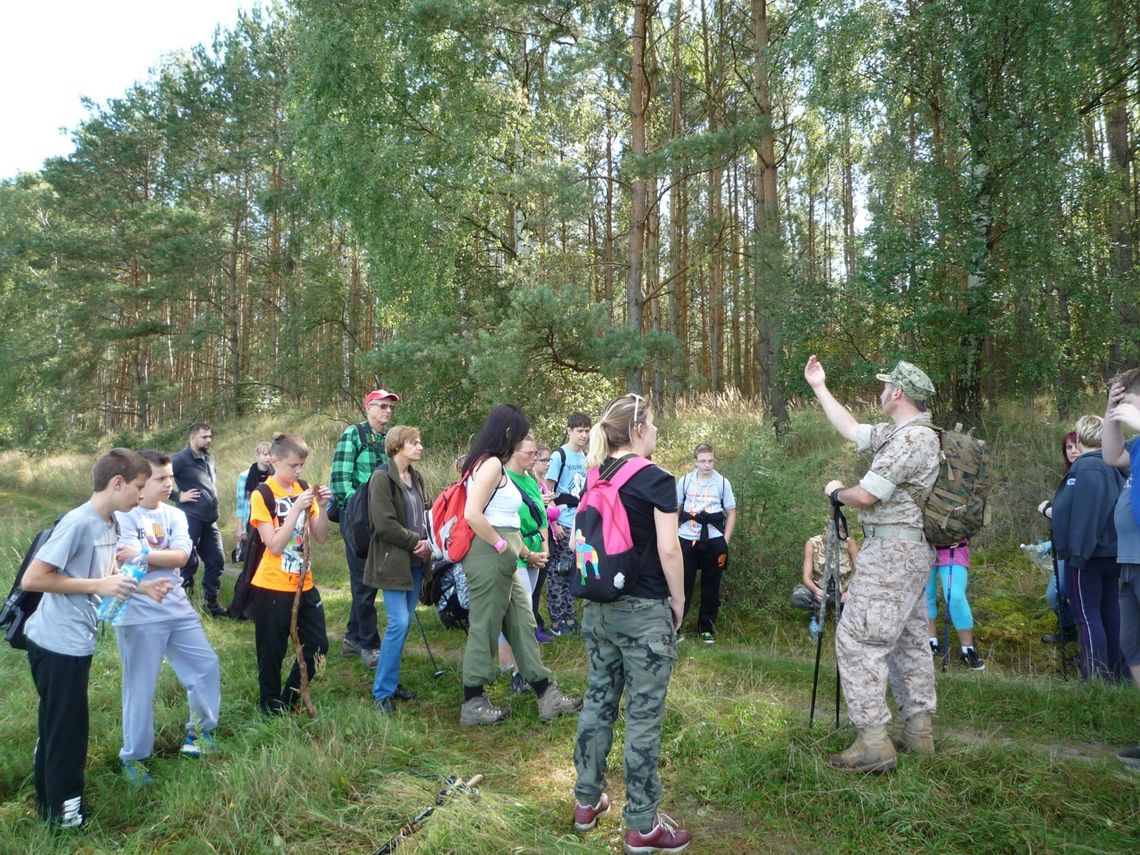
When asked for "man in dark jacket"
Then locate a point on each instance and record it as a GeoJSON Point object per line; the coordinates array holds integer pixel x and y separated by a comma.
{"type": "Point", "coordinates": [196, 493]}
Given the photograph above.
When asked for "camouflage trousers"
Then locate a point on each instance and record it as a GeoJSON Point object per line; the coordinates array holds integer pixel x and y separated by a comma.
{"type": "Point", "coordinates": [882, 637]}
{"type": "Point", "coordinates": [631, 646]}
{"type": "Point", "coordinates": [559, 601]}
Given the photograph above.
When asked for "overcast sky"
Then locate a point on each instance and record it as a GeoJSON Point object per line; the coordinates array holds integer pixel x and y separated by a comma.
{"type": "Point", "coordinates": [52, 52]}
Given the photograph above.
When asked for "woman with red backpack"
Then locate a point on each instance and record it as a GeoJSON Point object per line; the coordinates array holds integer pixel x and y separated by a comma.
{"type": "Point", "coordinates": [498, 600]}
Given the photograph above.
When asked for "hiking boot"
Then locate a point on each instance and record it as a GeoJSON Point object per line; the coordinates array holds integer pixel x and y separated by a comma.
{"type": "Point", "coordinates": [870, 752]}
{"type": "Point", "coordinates": [136, 774]}
{"type": "Point", "coordinates": [386, 705]}
{"type": "Point", "coordinates": [707, 638]}
{"type": "Point", "coordinates": [198, 746]}
{"type": "Point", "coordinates": [970, 658]}
{"type": "Point", "coordinates": [663, 837]}
{"type": "Point", "coordinates": [518, 685]}
{"type": "Point", "coordinates": [402, 694]}
{"type": "Point", "coordinates": [348, 649]}
{"type": "Point", "coordinates": [214, 610]}
{"type": "Point", "coordinates": [1129, 757]}
{"type": "Point", "coordinates": [917, 736]}
{"type": "Point", "coordinates": [370, 656]}
{"type": "Point", "coordinates": [586, 817]}
{"type": "Point", "coordinates": [1068, 633]}
{"type": "Point", "coordinates": [480, 710]}
{"type": "Point", "coordinates": [553, 703]}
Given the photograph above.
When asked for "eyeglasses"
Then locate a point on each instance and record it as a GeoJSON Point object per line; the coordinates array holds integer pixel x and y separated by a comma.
{"type": "Point", "coordinates": [383, 406]}
{"type": "Point", "coordinates": [542, 459]}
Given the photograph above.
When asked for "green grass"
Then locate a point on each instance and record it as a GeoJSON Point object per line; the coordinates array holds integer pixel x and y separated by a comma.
{"type": "Point", "coordinates": [1025, 760]}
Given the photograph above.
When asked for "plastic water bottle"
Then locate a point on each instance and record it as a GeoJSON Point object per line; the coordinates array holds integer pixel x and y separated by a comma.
{"type": "Point", "coordinates": [814, 629]}
{"type": "Point", "coordinates": [111, 608]}
{"type": "Point", "coordinates": [1039, 553]}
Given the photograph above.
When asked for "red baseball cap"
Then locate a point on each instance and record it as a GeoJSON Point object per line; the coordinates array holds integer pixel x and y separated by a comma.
{"type": "Point", "coordinates": [379, 395]}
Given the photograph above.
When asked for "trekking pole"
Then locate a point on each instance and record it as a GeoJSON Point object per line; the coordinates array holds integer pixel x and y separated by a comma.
{"type": "Point", "coordinates": [946, 630]}
{"type": "Point", "coordinates": [437, 672]}
{"type": "Point", "coordinates": [831, 590]}
{"type": "Point", "coordinates": [822, 612]}
{"type": "Point", "coordinates": [454, 784]}
{"type": "Point", "coordinates": [1060, 640]}
{"type": "Point", "coordinates": [839, 524]}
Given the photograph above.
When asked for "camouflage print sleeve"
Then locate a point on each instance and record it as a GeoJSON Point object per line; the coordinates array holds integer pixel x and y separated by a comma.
{"type": "Point", "coordinates": [904, 459]}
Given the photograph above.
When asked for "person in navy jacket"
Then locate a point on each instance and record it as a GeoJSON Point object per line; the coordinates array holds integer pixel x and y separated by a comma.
{"type": "Point", "coordinates": [1084, 536]}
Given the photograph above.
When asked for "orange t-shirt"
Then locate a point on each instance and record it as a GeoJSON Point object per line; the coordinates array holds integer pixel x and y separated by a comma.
{"type": "Point", "coordinates": [280, 572]}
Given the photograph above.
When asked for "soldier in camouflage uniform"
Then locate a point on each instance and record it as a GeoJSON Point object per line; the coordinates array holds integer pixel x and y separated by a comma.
{"type": "Point", "coordinates": [881, 637]}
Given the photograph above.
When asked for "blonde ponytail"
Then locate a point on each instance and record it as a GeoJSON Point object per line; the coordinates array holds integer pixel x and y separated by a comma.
{"type": "Point", "coordinates": [615, 428]}
{"type": "Point", "coordinates": [599, 448]}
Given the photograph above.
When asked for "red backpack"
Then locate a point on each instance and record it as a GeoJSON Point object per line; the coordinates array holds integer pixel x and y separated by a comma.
{"type": "Point", "coordinates": [450, 531]}
{"type": "Point", "coordinates": [607, 564]}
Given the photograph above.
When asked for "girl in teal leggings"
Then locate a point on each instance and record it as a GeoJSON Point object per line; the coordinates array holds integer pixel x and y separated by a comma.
{"type": "Point", "coordinates": [952, 566]}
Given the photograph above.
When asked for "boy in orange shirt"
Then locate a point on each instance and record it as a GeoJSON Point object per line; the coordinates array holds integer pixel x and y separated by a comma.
{"type": "Point", "coordinates": [274, 583]}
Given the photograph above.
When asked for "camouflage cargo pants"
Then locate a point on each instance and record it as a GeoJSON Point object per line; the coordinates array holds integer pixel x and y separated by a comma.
{"type": "Point", "coordinates": [631, 645]}
{"type": "Point", "coordinates": [559, 601]}
{"type": "Point", "coordinates": [881, 637]}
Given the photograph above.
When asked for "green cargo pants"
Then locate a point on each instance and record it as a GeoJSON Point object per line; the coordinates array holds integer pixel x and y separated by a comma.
{"type": "Point", "coordinates": [498, 603]}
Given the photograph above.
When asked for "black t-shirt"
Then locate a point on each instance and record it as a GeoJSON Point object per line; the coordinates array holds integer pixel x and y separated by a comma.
{"type": "Point", "coordinates": [651, 488]}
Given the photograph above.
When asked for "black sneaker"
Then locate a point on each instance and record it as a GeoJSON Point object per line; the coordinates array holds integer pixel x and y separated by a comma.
{"type": "Point", "coordinates": [214, 610]}
{"type": "Point", "coordinates": [1069, 633]}
{"type": "Point", "coordinates": [934, 649]}
{"type": "Point", "coordinates": [1130, 757]}
{"type": "Point", "coordinates": [970, 658]}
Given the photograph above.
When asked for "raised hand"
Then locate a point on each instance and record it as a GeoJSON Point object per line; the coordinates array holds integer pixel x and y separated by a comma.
{"type": "Point", "coordinates": [814, 373]}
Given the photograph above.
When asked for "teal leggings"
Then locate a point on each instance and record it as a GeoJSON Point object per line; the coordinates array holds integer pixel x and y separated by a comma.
{"type": "Point", "coordinates": [960, 613]}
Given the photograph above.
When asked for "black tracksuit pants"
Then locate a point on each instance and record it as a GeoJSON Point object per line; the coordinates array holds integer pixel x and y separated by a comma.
{"type": "Point", "coordinates": [271, 612]}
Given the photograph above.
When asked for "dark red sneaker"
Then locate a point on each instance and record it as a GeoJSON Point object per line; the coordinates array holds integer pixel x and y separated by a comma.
{"type": "Point", "coordinates": [586, 817]}
{"type": "Point", "coordinates": [663, 837]}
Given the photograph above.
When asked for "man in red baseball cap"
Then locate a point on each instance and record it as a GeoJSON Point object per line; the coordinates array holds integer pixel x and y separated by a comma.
{"type": "Point", "coordinates": [358, 452]}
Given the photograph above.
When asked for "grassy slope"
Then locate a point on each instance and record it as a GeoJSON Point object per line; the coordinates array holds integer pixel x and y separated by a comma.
{"type": "Point", "coordinates": [1025, 759]}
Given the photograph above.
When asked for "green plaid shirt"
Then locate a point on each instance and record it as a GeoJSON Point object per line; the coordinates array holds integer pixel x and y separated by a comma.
{"type": "Point", "coordinates": [354, 462]}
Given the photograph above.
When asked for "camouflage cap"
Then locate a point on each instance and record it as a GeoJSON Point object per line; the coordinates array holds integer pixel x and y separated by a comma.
{"type": "Point", "coordinates": [911, 379]}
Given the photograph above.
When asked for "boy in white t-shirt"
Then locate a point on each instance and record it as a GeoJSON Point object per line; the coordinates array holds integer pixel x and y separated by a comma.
{"type": "Point", "coordinates": [150, 631]}
{"type": "Point", "coordinates": [708, 516]}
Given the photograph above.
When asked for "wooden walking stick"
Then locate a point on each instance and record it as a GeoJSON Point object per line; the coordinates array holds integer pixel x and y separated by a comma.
{"type": "Point", "coordinates": [298, 648]}
{"type": "Point", "coordinates": [454, 785]}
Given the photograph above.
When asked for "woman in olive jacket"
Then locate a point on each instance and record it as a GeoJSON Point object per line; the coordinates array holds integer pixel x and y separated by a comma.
{"type": "Point", "coordinates": [397, 507]}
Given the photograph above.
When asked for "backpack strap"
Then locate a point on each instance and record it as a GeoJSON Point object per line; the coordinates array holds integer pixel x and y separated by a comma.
{"type": "Point", "coordinates": [627, 467]}
{"type": "Point", "coordinates": [561, 452]}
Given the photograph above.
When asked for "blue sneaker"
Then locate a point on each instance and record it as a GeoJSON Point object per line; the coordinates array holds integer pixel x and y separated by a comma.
{"type": "Point", "coordinates": [198, 746]}
{"type": "Point", "coordinates": [136, 774]}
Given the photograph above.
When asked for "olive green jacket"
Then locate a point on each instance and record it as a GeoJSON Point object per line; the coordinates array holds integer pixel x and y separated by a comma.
{"type": "Point", "coordinates": [389, 562]}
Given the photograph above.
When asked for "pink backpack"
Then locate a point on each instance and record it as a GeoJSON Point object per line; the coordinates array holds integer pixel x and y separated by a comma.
{"type": "Point", "coordinates": [605, 563]}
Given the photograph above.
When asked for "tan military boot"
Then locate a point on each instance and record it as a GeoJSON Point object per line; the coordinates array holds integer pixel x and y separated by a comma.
{"type": "Point", "coordinates": [870, 752]}
{"type": "Point", "coordinates": [917, 735]}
